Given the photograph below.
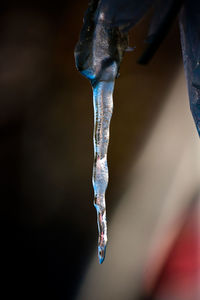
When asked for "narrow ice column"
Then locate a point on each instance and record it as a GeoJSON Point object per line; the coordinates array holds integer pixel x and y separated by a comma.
{"type": "Point", "coordinates": [98, 55]}
{"type": "Point", "coordinates": [103, 107]}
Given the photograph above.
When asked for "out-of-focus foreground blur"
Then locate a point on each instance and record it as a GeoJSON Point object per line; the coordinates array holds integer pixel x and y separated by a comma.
{"type": "Point", "coordinates": [48, 223]}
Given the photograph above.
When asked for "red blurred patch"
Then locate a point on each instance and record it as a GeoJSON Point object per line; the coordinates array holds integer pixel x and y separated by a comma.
{"type": "Point", "coordinates": [180, 274]}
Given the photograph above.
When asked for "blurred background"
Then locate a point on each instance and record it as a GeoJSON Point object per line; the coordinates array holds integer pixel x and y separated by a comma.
{"type": "Point", "coordinates": [48, 222]}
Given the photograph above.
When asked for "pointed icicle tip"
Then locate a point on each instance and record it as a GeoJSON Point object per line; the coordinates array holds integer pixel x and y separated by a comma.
{"type": "Point", "coordinates": [101, 253]}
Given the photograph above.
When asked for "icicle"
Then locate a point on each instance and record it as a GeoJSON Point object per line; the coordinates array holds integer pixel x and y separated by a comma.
{"type": "Point", "coordinates": [98, 55]}
{"type": "Point", "coordinates": [103, 107]}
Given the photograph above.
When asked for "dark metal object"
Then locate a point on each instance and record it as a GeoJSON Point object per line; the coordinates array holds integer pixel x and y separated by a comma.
{"type": "Point", "coordinates": [165, 14]}
{"type": "Point", "coordinates": [190, 40]}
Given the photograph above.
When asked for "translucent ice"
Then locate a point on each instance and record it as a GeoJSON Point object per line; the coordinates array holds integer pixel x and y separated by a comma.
{"type": "Point", "coordinates": [103, 107]}
{"type": "Point", "coordinates": [98, 55]}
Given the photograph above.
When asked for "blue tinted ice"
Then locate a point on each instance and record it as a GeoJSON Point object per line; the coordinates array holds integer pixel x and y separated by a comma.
{"type": "Point", "coordinates": [98, 55]}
